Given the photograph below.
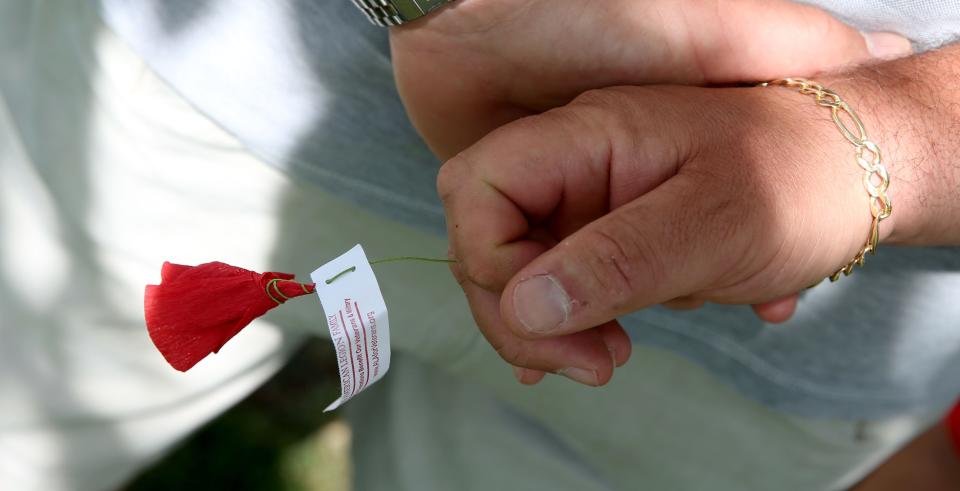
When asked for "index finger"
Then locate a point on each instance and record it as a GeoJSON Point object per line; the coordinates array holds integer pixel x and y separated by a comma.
{"type": "Point", "coordinates": [497, 193]}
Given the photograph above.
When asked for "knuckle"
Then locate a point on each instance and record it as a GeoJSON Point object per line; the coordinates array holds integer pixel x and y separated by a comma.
{"type": "Point", "coordinates": [513, 137]}
{"type": "Point", "coordinates": [450, 177]}
{"type": "Point", "coordinates": [595, 108]}
{"type": "Point", "coordinates": [824, 26]}
{"type": "Point", "coordinates": [620, 115]}
{"type": "Point", "coordinates": [600, 98]}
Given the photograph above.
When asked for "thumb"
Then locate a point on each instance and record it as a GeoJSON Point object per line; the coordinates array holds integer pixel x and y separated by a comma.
{"type": "Point", "coordinates": [764, 39]}
{"type": "Point", "coordinates": [646, 252]}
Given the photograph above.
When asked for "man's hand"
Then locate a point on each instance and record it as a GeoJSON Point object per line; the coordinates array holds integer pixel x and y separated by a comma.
{"type": "Point", "coordinates": [478, 64]}
{"type": "Point", "coordinates": [628, 197]}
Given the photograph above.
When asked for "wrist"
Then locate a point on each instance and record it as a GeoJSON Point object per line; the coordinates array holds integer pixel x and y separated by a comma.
{"type": "Point", "coordinates": [901, 116]}
{"type": "Point", "coordinates": [389, 13]}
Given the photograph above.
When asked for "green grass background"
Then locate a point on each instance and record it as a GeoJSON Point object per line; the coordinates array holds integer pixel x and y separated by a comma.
{"type": "Point", "coordinates": [278, 439]}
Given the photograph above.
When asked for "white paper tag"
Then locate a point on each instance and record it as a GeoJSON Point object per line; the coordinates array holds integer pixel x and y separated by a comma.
{"type": "Point", "coordinates": [357, 319]}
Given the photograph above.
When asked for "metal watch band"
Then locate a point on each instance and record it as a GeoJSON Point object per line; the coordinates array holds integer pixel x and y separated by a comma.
{"type": "Point", "coordinates": [395, 12]}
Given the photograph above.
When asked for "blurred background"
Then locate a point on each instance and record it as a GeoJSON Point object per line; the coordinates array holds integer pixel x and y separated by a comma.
{"type": "Point", "coordinates": [277, 439]}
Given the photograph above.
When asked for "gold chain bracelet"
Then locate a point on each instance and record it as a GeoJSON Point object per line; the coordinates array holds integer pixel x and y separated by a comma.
{"type": "Point", "coordinates": [868, 157]}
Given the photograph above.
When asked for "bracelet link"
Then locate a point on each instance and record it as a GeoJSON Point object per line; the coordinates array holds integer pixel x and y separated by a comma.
{"type": "Point", "coordinates": [387, 13]}
{"type": "Point", "coordinates": [876, 180]}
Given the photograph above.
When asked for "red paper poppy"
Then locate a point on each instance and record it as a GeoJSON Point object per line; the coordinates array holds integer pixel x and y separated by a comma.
{"type": "Point", "coordinates": [195, 310]}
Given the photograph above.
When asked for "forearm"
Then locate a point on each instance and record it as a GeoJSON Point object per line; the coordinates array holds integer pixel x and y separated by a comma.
{"type": "Point", "coordinates": [911, 109]}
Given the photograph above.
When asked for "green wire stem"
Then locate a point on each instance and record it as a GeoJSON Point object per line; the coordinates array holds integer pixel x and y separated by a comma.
{"type": "Point", "coordinates": [391, 260]}
{"type": "Point", "coordinates": [338, 275]}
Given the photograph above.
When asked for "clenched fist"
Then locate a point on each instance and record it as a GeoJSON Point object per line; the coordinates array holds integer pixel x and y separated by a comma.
{"type": "Point", "coordinates": [628, 197]}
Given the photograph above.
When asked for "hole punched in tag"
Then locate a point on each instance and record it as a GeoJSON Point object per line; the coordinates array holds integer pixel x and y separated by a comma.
{"type": "Point", "coordinates": [389, 260]}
